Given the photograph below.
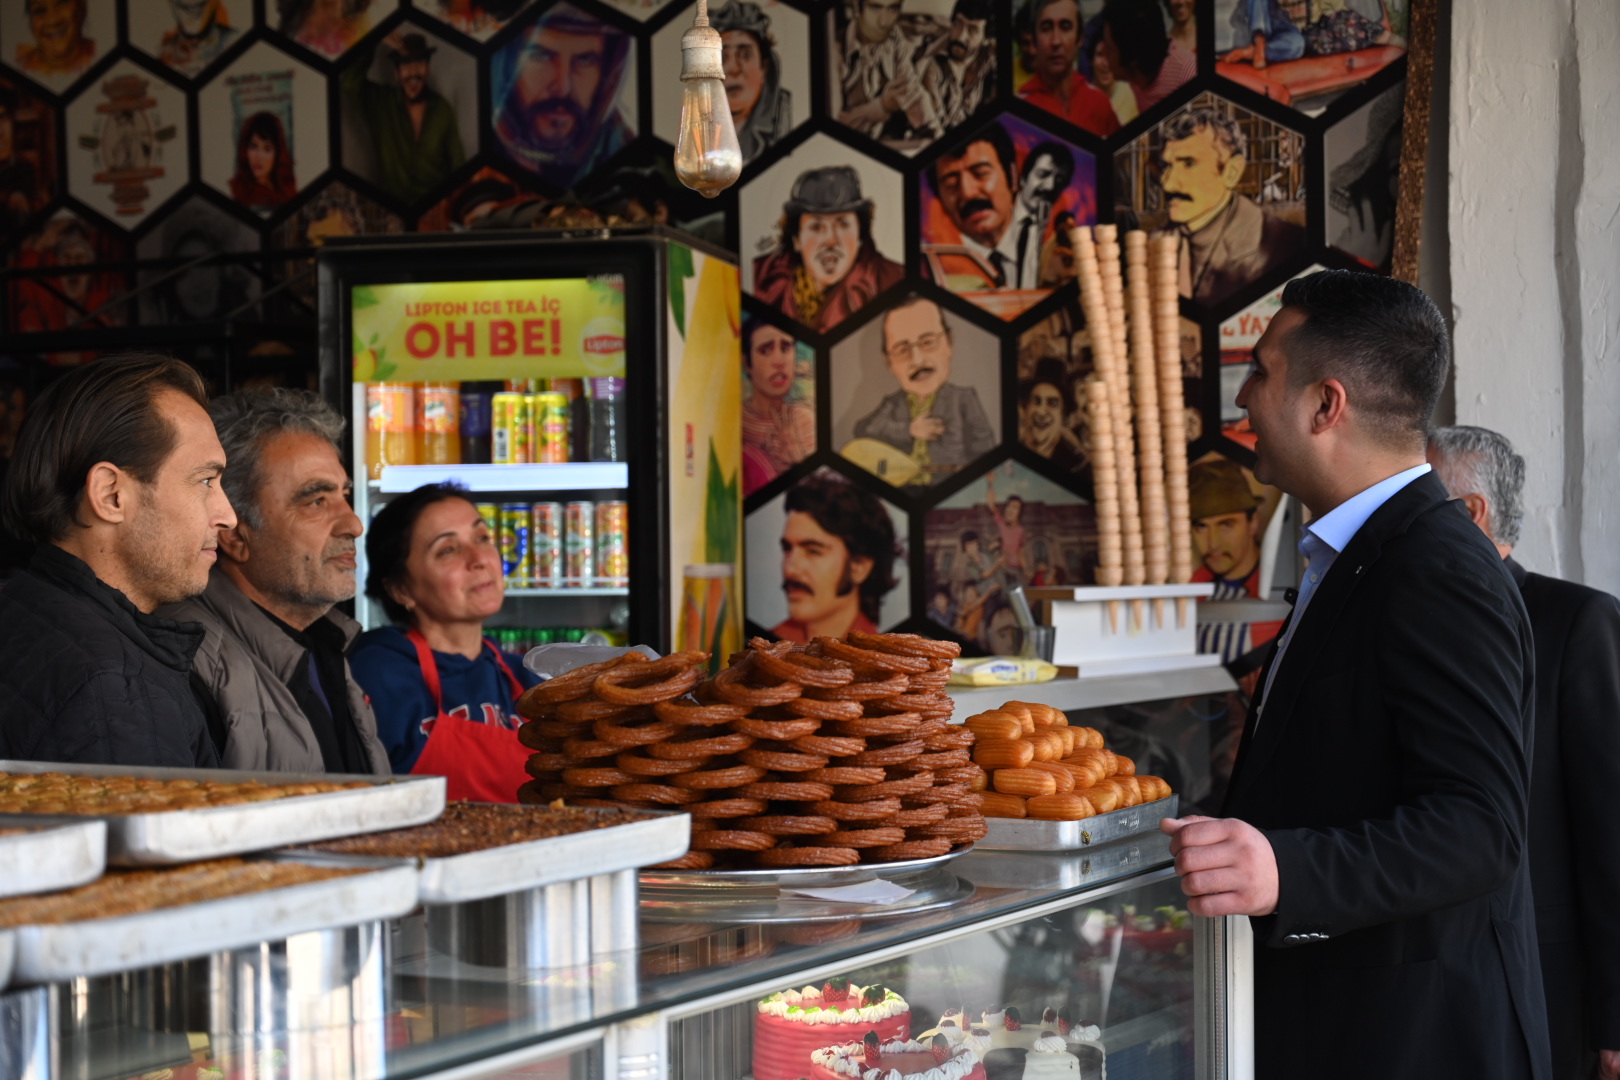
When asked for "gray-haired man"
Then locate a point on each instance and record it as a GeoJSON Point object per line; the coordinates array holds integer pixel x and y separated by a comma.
{"type": "Point", "coordinates": [1574, 844]}
{"type": "Point", "coordinates": [271, 671]}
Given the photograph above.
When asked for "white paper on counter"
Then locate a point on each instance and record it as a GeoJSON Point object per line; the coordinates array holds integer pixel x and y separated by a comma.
{"type": "Point", "coordinates": [876, 891]}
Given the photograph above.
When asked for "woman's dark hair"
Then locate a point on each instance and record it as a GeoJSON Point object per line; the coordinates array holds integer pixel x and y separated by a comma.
{"type": "Point", "coordinates": [1139, 36]}
{"type": "Point", "coordinates": [267, 127]}
{"type": "Point", "coordinates": [103, 411]}
{"type": "Point", "coordinates": [388, 542]}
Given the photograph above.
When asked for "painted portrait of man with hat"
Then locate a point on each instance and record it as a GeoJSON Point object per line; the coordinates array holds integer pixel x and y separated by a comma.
{"type": "Point", "coordinates": [409, 127]}
{"type": "Point", "coordinates": [825, 266]}
{"type": "Point", "coordinates": [557, 89]}
{"type": "Point", "coordinates": [1226, 528]}
{"type": "Point", "coordinates": [761, 107]}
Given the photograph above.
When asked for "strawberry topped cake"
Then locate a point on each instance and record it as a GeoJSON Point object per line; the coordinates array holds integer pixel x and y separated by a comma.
{"type": "Point", "coordinates": [791, 1025]}
{"type": "Point", "coordinates": [1053, 1049]}
{"type": "Point", "coordinates": [907, 1059]}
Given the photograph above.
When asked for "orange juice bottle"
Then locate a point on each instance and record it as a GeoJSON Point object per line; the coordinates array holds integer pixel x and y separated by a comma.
{"type": "Point", "coordinates": [438, 419]}
{"type": "Point", "coordinates": [390, 426]}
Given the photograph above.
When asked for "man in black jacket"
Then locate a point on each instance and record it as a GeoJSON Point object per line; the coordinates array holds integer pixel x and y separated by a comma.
{"type": "Point", "coordinates": [116, 481]}
{"type": "Point", "coordinates": [1574, 839]}
{"type": "Point", "coordinates": [1376, 822]}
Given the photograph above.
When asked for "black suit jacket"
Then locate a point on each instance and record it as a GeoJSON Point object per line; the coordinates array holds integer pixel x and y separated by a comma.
{"type": "Point", "coordinates": [1574, 838]}
{"type": "Point", "coordinates": [1389, 766]}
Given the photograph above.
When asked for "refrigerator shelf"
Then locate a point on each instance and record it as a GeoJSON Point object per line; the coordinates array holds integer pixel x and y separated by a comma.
{"type": "Point", "coordinates": [606, 590]}
{"type": "Point", "coordinates": [562, 476]}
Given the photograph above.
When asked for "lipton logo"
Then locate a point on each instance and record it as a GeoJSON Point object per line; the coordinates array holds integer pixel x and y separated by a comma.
{"type": "Point", "coordinates": [604, 343]}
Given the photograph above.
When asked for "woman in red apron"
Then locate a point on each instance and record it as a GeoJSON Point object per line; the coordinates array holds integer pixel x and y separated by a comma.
{"type": "Point", "coordinates": [444, 695]}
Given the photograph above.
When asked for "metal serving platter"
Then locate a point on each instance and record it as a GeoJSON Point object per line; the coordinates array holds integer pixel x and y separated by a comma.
{"type": "Point", "coordinates": [758, 895]}
{"type": "Point", "coordinates": [47, 855]}
{"type": "Point", "coordinates": [1070, 869]}
{"type": "Point", "coordinates": [175, 836]}
{"type": "Point", "coordinates": [1028, 834]}
{"type": "Point", "coordinates": [145, 939]}
{"type": "Point", "coordinates": [478, 875]}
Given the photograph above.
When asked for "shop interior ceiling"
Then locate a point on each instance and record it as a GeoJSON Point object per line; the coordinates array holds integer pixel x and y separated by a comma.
{"type": "Point", "coordinates": [925, 152]}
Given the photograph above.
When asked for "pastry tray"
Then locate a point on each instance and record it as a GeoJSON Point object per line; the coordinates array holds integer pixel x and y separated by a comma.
{"type": "Point", "coordinates": [50, 854]}
{"type": "Point", "coordinates": [1083, 869]}
{"type": "Point", "coordinates": [478, 875]}
{"type": "Point", "coordinates": [1028, 834]}
{"type": "Point", "coordinates": [167, 837]}
{"type": "Point", "coordinates": [60, 951]}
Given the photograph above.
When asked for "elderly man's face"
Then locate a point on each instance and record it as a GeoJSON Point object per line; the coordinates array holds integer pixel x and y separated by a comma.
{"type": "Point", "coordinates": [917, 347]}
{"type": "Point", "coordinates": [745, 73]}
{"type": "Point", "coordinates": [827, 245]}
{"type": "Point", "coordinates": [1041, 185]}
{"type": "Point", "coordinates": [1196, 181]}
{"type": "Point", "coordinates": [1057, 40]}
{"type": "Point", "coordinates": [557, 85]}
{"type": "Point", "coordinates": [413, 79]}
{"type": "Point", "coordinates": [878, 18]}
{"type": "Point", "coordinates": [967, 36]}
{"type": "Point", "coordinates": [974, 191]}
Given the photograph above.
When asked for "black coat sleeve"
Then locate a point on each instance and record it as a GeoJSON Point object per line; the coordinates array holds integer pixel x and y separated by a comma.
{"type": "Point", "coordinates": [1589, 749]}
{"type": "Point", "coordinates": [1450, 663]}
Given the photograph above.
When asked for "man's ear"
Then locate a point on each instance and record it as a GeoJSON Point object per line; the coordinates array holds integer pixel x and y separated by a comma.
{"type": "Point", "coordinates": [860, 568]}
{"type": "Point", "coordinates": [107, 493]}
{"type": "Point", "coordinates": [1232, 171]}
{"type": "Point", "coordinates": [1332, 405]}
{"type": "Point", "coordinates": [1479, 509]}
{"type": "Point", "coordinates": [233, 543]}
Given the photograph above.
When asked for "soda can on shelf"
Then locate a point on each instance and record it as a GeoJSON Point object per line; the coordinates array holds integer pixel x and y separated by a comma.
{"type": "Point", "coordinates": [551, 427]}
{"type": "Point", "coordinates": [512, 429]}
{"type": "Point", "coordinates": [514, 542]}
{"type": "Point", "coordinates": [613, 543]}
{"type": "Point", "coordinates": [579, 544]}
{"type": "Point", "coordinates": [546, 545]}
{"type": "Point", "coordinates": [492, 519]}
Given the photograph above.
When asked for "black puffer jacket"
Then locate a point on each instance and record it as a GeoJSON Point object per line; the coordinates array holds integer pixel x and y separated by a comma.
{"type": "Point", "coordinates": [86, 677]}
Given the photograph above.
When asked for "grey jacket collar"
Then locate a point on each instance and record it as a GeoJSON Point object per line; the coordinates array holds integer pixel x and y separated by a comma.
{"type": "Point", "coordinates": [248, 622]}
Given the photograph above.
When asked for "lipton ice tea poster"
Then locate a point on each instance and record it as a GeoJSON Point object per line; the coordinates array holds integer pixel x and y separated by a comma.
{"type": "Point", "coordinates": [458, 330]}
{"type": "Point", "coordinates": [705, 453]}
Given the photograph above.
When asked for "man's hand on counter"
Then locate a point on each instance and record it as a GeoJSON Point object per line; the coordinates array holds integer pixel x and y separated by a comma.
{"type": "Point", "coordinates": [1227, 866]}
{"type": "Point", "coordinates": [1609, 1065]}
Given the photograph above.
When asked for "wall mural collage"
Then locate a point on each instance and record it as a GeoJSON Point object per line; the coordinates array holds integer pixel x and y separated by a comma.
{"type": "Point", "coordinates": [914, 351]}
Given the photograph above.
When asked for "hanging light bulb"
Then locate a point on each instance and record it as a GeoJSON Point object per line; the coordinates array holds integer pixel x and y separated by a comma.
{"type": "Point", "coordinates": [707, 157]}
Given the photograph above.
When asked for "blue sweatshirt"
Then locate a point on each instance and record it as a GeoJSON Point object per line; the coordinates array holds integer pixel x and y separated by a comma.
{"type": "Point", "coordinates": [384, 664]}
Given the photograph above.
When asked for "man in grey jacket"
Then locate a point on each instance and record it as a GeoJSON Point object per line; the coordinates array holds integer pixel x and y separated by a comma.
{"type": "Point", "coordinates": [271, 672]}
{"type": "Point", "coordinates": [940, 425]}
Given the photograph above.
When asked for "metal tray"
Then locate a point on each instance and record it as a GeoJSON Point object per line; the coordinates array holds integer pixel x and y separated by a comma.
{"type": "Point", "coordinates": [56, 854]}
{"type": "Point", "coordinates": [478, 875]}
{"type": "Point", "coordinates": [177, 836]}
{"type": "Point", "coordinates": [809, 877]}
{"type": "Point", "coordinates": [1027, 834]}
{"type": "Point", "coordinates": [145, 939]}
{"type": "Point", "coordinates": [8, 955]}
{"type": "Point", "coordinates": [1067, 870]}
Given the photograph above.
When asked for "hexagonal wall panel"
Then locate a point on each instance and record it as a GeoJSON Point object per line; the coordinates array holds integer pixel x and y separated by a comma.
{"type": "Point", "coordinates": [262, 126]}
{"type": "Point", "coordinates": [638, 9]}
{"type": "Point", "coordinates": [206, 293]}
{"type": "Point", "coordinates": [907, 74]}
{"type": "Point", "coordinates": [1239, 335]}
{"type": "Point", "coordinates": [382, 79]}
{"type": "Point", "coordinates": [1234, 178]}
{"type": "Point", "coordinates": [479, 19]}
{"type": "Point", "coordinates": [327, 27]}
{"type": "Point", "coordinates": [486, 191]}
{"type": "Point", "coordinates": [188, 35]}
{"type": "Point", "coordinates": [996, 208]}
{"type": "Point", "coordinates": [1309, 64]}
{"type": "Point", "coordinates": [1008, 528]}
{"type": "Point", "coordinates": [335, 210]}
{"type": "Point", "coordinates": [822, 232]}
{"type": "Point", "coordinates": [67, 240]}
{"type": "Point", "coordinates": [779, 402]}
{"type": "Point", "coordinates": [916, 394]}
{"type": "Point", "coordinates": [767, 62]}
{"type": "Point", "coordinates": [54, 42]}
{"type": "Point", "coordinates": [1235, 521]}
{"type": "Point", "coordinates": [563, 94]}
{"type": "Point", "coordinates": [810, 573]}
{"type": "Point", "coordinates": [1363, 153]}
{"type": "Point", "coordinates": [127, 141]}
{"type": "Point", "coordinates": [28, 147]}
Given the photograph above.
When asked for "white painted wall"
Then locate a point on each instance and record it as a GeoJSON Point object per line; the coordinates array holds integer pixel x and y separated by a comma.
{"type": "Point", "coordinates": [1534, 259]}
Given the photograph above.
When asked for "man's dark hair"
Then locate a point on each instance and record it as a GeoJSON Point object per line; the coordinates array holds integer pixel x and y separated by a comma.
{"type": "Point", "coordinates": [856, 517]}
{"type": "Point", "coordinates": [972, 10]}
{"type": "Point", "coordinates": [790, 230]}
{"type": "Point", "coordinates": [1382, 338]}
{"type": "Point", "coordinates": [969, 537]}
{"type": "Point", "coordinates": [247, 421]}
{"type": "Point", "coordinates": [388, 542]}
{"type": "Point", "coordinates": [1139, 36]}
{"type": "Point", "coordinates": [1062, 157]}
{"type": "Point", "coordinates": [105, 411]}
{"type": "Point", "coordinates": [1001, 142]}
{"type": "Point", "coordinates": [1048, 372]}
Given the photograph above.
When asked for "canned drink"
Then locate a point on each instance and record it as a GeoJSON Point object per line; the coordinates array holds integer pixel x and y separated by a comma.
{"type": "Point", "coordinates": [546, 545]}
{"type": "Point", "coordinates": [514, 541]}
{"type": "Point", "coordinates": [579, 544]}
{"type": "Point", "coordinates": [492, 519]}
{"type": "Point", "coordinates": [550, 427]}
{"type": "Point", "coordinates": [613, 543]}
{"type": "Point", "coordinates": [511, 422]}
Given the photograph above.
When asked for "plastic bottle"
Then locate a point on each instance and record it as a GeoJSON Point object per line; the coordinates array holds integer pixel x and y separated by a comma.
{"type": "Point", "coordinates": [438, 420]}
{"type": "Point", "coordinates": [607, 419]}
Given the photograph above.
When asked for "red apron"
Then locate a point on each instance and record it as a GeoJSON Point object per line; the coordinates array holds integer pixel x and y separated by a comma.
{"type": "Point", "coordinates": [480, 761]}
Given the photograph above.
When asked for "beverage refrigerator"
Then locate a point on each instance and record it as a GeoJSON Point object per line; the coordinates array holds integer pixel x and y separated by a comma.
{"type": "Point", "coordinates": [584, 388]}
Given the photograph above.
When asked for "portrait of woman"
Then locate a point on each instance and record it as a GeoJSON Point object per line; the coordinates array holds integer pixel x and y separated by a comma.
{"type": "Point", "coordinates": [60, 46]}
{"type": "Point", "coordinates": [264, 168]}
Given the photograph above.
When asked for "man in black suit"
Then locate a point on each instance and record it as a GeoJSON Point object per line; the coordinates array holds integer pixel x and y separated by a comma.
{"type": "Point", "coordinates": [1376, 819]}
{"type": "Point", "coordinates": [1574, 842]}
